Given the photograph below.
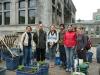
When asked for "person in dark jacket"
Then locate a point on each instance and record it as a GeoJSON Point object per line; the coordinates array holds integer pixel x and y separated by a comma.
{"type": "Point", "coordinates": [40, 40]}
{"type": "Point", "coordinates": [70, 43]}
{"type": "Point", "coordinates": [98, 53]}
{"type": "Point", "coordinates": [81, 43]}
{"type": "Point", "coordinates": [61, 45]}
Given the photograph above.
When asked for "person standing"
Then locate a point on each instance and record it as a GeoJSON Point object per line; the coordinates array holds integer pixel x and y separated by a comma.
{"type": "Point", "coordinates": [69, 43]}
{"type": "Point", "coordinates": [61, 45]}
{"type": "Point", "coordinates": [40, 40]}
{"type": "Point", "coordinates": [81, 43]}
{"type": "Point", "coordinates": [27, 43]}
{"type": "Point", "coordinates": [52, 39]}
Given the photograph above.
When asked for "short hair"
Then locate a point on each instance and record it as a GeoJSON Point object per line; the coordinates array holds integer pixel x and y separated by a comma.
{"type": "Point", "coordinates": [70, 25]}
{"type": "Point", "coordinates": [29, 27]}
{"type": "Point", "coordinates": [40, 22]}
{"type": "Point", "coordinates": [62, 25]}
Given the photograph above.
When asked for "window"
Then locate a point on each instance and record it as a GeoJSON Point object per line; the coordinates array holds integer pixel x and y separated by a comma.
{"type": "Point", "coordinates": [59, 6]}
{"type": "Point", "coordinates": [31, 16]}
{"type": "Point", "coordinates": [97, 30]}
{"type": "Point", "coordinates": [58, 13]}
{"type": "Point", "coordinates": [53, 1]}
{"type": "Point", "coordinates": [32, 3]}
{"type": "Point", "coordinates": [22, 17]}
{"type": "Point", "coordinates": [53, 15]}
{"type": "Point", "coordinates": [7, 18]}
{"type": "Point", "coordinates": [31, 11]}
{"type": "Point", "coordinates": [21, 12]}
{"type": "Point", "coordinates": [7, 13]}
{"type": "Point", "coordinates": [22, 4]}
{"type": "Point", "coordinates": [0, 18]}
{"type": "Point", "coordinates": [0, 7]}
{"type": "Point", "coordinates": [7, 6]}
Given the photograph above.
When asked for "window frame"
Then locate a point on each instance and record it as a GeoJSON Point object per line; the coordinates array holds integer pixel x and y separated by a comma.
{"type": "Point", "coordinates": [20, 16]}
{"type": "Point", "coordinates": [5, 18]}
{"type": "Point", "coordinates": [1, 7]}
{"type": "Point", "coordinates": [34, 16]}
{"type": "Point", "coordinates": [19, 7]}
{"type": "Point", "coordinates": [1, 19]}
{"type": "Point", "coordinates": [5, 6]}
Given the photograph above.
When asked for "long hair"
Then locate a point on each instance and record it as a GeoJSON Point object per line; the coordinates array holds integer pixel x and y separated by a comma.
{"type": "Point", "coordinates": [54, 30]}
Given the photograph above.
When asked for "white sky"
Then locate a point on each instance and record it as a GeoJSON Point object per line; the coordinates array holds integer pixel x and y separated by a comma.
{"type": "Point", "coordinates": [85, 8]}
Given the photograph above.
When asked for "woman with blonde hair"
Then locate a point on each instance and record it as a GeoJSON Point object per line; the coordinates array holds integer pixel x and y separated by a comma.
{"type": "Point", "coordinates": [52, 39]}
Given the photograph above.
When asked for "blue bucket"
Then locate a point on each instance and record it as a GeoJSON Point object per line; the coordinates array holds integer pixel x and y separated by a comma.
{"type": "Point", "coordinates": [12, 63]}
{"type": "Point", "coordinates": [2, 71]}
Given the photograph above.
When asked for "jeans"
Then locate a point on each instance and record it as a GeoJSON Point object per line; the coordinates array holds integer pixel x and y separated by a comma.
{"type": "Point", "coordinates": [69, 57]}
{"type": "Point", "coordinates": [27, 51]}
{"type": "Point", "coordinates": [52, 52]}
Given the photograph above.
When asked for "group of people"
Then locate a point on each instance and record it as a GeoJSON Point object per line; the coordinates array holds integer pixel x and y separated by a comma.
{"type": "Point", "coordinates": [68, 41]}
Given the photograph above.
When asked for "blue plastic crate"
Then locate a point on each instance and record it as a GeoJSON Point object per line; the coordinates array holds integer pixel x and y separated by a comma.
{"type": "Point", "coordinates": [5, 55]}
{"type": "Point", "coordinates": [44, 71]}
{"type": "Point", "coordinates": [26, 73]}
{"type": "Point", "coordinates": [2, 71]}
{"type": "Point", "coordinates": [12, 63]}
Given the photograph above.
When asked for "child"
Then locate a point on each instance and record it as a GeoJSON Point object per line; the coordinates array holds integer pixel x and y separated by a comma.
{"type": "Point", "coordinates": [57, 58]}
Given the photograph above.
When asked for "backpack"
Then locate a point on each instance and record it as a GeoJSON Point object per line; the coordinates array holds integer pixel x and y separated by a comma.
{"type": "Point", "coordinates": [89, 44]}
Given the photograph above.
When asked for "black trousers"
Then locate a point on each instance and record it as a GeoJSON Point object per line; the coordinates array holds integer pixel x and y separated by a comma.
{"type": "Point", "coordinates": [40, 54]}
{"type": "Point", "coordinates": [82, 54]}
{"type": "Point", "coordinates": [62, 54]}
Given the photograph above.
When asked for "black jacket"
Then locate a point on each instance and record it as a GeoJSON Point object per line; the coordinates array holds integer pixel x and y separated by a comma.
{"type": "Point", "coordinates": [40, 39]}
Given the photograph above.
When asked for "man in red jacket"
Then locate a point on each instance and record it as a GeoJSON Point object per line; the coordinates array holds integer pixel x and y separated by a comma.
{"type": "Point", "coordinates": [69, 43]}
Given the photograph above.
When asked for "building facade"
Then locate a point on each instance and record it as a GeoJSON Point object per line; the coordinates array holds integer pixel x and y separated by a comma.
{"type": "Point", "coordinates": [96, 16]}
{"type": "Point", "coordinates": [16, 14]}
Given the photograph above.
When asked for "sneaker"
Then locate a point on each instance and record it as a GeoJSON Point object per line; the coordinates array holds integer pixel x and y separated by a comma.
{"type": "Point", "coordinates": [70, 70]}
{"type": "Point", "coordinates": [67, 69]}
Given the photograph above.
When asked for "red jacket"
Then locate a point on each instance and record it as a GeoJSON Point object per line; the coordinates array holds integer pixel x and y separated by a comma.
{"type": "Point", "coordinates": [70, 39]}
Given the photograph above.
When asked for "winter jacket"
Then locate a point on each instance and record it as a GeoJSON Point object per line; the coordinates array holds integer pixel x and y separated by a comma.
{"type": "Point", "coordinates": [52, 38]}
{"type": "Point", "coordinates": [24, 40]}
{"type": "Point", "coordinates": [61, 37]}
{"type": "Point", "coordinates": [70, 39]}
{"type": "Point", "coordinates": [81, 41]}
{"type": "Point", "coordinates": [40, 39]}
